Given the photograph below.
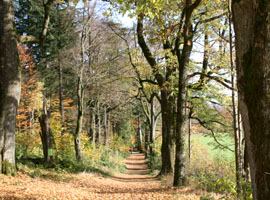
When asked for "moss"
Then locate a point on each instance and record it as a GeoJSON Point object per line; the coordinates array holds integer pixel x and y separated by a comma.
{"type": "Point", "coordinates": [8, 168]}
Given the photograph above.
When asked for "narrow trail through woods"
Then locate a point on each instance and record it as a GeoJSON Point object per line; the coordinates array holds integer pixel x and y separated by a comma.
{"type": "Point", "coordinates": [135, 184]}
{"type": "Point", "coordinates": [136, 169]}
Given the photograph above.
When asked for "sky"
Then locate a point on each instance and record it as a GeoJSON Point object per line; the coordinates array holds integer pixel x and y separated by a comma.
{"type": "Point", "coordinates": [125, 20]}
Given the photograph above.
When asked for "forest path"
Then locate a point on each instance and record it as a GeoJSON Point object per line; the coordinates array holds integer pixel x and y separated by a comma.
{"type": "Point", "coordinates": [136, 169]}
{"type": "Point", "coordinates": [135, 184]}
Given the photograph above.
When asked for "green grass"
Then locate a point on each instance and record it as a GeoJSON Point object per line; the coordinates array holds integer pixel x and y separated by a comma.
{"type": "Point", "coordinates": [214, 150]}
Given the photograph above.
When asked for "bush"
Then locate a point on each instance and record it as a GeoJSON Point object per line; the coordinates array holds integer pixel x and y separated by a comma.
{"type": "Point", "coordinates": [211, 174]}
{"type": "Point", "coordinates": [154, 161]}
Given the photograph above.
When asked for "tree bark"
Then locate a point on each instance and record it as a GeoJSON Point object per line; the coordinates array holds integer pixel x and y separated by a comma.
{"type": "Point", "coordinates": [99, 124]}
{"type": "Point", "coordinates": [179, 173]}
{"type": "Point", "coordinates": [167, 123]}
{"type": "Point", "coordinates": [93, 124]}
{"type": "Point", "coordinates": [10, 86]}
{"type": "Point", "coordinates": [46, 135]}
{"type": "Point", "coordinates": [61, 105]}
{"type": "Point", "coordinates": [77, 139]}
{"type": "Point", "coordinates": [236, 135]}
{"type": "Point", "coordinates": [189, 134]}
{"type": "Point", "coordinates": [183, 61]}
{"type": "Point", "coordinates": [106, 134]}
{"type": "Point", "coordinates": [153, 122]}
{"type": "Point", "coordinates": [251, 25]}
{"type": "Point", "coordinates": [60, 75]}
{"type": "Point", "coordinates": [146, 141]}
{"type": "Point", "coordinates": [108, 127]}
{"type": "Point", "coordinates": [166, 105]}
{"type": "Point", "coordinates": [246, 169]}
{"type": "Point", "coordinates": [139, 135]}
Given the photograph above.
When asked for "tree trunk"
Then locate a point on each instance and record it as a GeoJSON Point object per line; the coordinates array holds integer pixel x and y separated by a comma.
{"type": "Point", "coordinates": [106, 134]}
{"type": "Point", "coordinates": [146, 141]}
{"type": "Point", "coordinates": [99, 124]}
{"type": "Point", "coordinates": [61, 105]}
{"type": "Point", "coordinates": [77, 139]}
{"type": "Point", "coordinates": [246, 170]}
{"type": "Point", "coordinates": [236, 135]}
{"type": "Point", "coordinates": [93, 124]}
{"type": "Point", "coordinates": [60, 74]}
{"type": "Point", "coordinates": [189, 134]}
{"type": "Point", "coordinates": [108, 128]}
{"type": "Point", "coordinates": [152, 126]}
{"type": "Point", "coordinates": [179, 173]}
{"type": "Point", "coordinates": [183, 62]}
{"type": "Point", "coordinates": [251, 25]}
{"type": "Point", "coordinates": [10, 86]}
{"type": "Point", "coordinates": [166, 105]}
{"type": "Point", "coordinates": [46, 135]}
{"type": "Point", "coordinates": [167, 122]}
{"type": "Point", "coordinates": [139, 135]}
{"type": "Point", "coordinates": [241, 140]}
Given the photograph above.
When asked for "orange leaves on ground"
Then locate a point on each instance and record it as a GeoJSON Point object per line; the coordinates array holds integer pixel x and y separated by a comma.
{"type": "Point", "coordinates": [127, 186]}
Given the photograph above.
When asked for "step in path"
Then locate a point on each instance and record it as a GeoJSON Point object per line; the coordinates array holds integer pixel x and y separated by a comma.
{"type": "Point", "coordinates": [136, 169]}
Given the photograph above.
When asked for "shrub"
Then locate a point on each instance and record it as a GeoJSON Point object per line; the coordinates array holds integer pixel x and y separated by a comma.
{"type": "Point", "coordinates": [210, 174]}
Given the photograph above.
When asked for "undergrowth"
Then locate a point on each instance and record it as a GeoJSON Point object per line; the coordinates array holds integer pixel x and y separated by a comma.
{"type": "Point", "coordinates": [101, 161]}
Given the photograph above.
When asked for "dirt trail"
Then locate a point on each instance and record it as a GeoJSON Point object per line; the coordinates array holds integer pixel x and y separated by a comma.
{"type": "Point", "coordinates": [134, 184]}
{"type": "Point", "coordinates": [136, 169]}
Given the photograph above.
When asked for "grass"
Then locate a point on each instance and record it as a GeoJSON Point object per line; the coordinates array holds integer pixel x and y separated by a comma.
{"type": "Point", "coordinates": [214, 150]}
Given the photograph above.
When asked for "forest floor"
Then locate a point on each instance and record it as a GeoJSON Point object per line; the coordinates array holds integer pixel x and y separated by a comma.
{"type": "Point", "coordinates": [135, 184]}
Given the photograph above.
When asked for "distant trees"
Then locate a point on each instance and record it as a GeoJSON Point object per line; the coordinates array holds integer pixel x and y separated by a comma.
{"type": "Point", "coordinates": [30, 103]}
{"type": "Point", "coordinates": [48, 56]}
{"type": "Point", "coordinates": [79, 44]}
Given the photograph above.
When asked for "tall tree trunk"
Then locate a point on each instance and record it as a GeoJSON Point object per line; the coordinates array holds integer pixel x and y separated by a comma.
{"type": "Point", "coordinates": [236, 135]}
{"type": "Point", "coordinates": [246, 169]}
{"type": "Point", "coordinates": [99, 124]}
{"type": "Point", "coordinates": [93, 125]}
{"type": "Point", "coordinates": [139, 139]}
{"type": "Point", "coordinates": [77, 139]}
{"type": "Point", "coordinates": [146, 141]}
{"type": "Point", "coordinates": [251, 25]}
{"type": "Point", "coordinates": [241, 140]}
{"type": "Point", "coordinates": [152, 126]}
{"type": "Point", "coordinates": [108, 127]}
{"type": "Point", "coordinates": [46, 135]}
{"type": "Point", "coordinates": [189, 134]}
{"type": "Point", "coordinates": [60, 73]}
{"type": "Point", "coordinates": [80, 89]}
{"type": "Point", "coordinates": [167, 122]}
{"type": "Point", "coordinates": [61, 105]}
{"type": "Point", "coordinates": [183, 62]}
{"type": "Point", "coordinates": [179, 173]}
{"type": "Point", "coordinates": [10, 86]}
{"type": "Point", "coordinates": [166, 105]}
{"type": "Point", "coordinates": [106, 134]}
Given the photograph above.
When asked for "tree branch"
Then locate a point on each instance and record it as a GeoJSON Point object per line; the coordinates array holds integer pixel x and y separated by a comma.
{"type": "Point", "coordinates": [202, 123]}
{"type": "Point", "coordinates": [47, 9]}
{"type": "Point", "coordinates": [217, 79]}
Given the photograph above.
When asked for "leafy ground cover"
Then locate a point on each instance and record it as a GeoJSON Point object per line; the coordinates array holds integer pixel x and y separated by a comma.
{"type": "Point", "coordinates": [135, 184]}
